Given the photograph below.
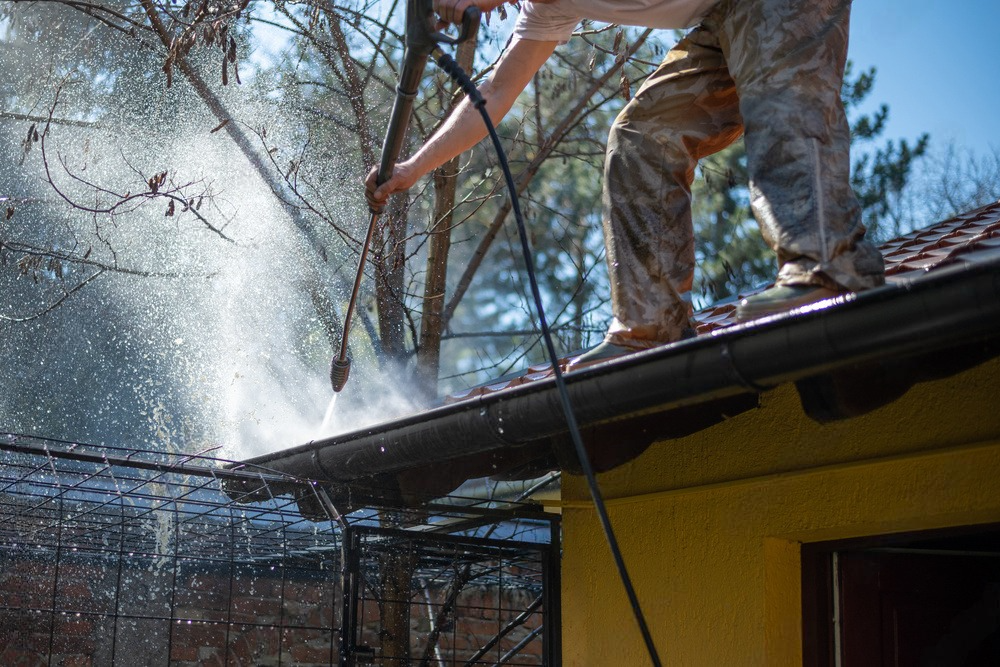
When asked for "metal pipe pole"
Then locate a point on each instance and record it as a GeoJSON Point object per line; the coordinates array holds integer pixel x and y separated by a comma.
{"type": "Point", "coordinates": [421, 41]}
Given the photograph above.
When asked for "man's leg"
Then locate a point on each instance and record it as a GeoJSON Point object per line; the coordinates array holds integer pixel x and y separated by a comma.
{"type": "Point", "coordinates": [787, 58]}
{"type": "Point", "coordinates": [685, 110]}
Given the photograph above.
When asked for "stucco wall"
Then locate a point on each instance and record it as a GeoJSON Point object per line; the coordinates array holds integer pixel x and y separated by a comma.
{"type": "Point", "coordinates": [710, 525]}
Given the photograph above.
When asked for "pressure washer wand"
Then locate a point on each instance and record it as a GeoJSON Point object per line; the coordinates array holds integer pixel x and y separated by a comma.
{"type": "Point", "coordinates": [421, 41]}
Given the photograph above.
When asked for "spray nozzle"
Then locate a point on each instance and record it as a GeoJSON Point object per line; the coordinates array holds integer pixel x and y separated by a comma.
{"type": "Point", "coordinates": [340, 369]}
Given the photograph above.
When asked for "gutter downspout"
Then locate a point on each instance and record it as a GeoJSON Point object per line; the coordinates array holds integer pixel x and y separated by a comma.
{"type": "Point", "coordinates": [954, 305]}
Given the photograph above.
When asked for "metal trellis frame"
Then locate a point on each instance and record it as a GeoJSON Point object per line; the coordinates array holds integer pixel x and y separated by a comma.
{"type": "Point", "coordinates": [118, 556]}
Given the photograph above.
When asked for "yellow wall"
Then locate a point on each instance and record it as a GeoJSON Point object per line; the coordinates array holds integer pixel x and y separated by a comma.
{"type": "Point", "coordinates": [710, 525]}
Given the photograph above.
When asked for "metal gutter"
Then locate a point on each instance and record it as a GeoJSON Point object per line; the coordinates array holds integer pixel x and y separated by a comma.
{"type": "Point", "coordinates": [951, 306]}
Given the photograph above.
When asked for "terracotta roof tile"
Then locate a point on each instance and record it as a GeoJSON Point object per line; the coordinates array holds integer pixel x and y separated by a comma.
{"type": "Point", "coordinates": [970, 237]}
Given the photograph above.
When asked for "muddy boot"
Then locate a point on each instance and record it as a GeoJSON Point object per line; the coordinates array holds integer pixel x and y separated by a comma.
{"type": "Point", "coordinates": [780, 299]}
{"type": "Point", "coordinates": [607, 351]}
{"type": "Point", "coordinates": [603, 352]}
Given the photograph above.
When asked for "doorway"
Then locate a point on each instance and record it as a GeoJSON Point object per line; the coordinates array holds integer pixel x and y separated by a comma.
{"type": "Point", "coordinates": [913, 600]}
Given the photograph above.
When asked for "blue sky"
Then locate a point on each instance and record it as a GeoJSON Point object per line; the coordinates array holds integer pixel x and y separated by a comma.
{"type": "Point", "coordinates": [938, 67]}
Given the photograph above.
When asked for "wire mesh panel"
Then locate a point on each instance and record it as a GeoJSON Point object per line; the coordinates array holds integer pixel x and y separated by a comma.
{"type": "Point", "coordinates": [125, 557]}
{"type": "Point", "coordinates": [448, 600]}
{"type": "Point", "coordinates": [133, 560]}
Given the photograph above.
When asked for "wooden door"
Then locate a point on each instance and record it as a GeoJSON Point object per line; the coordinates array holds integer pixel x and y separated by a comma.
{"type": "Point", "coordinates": [909, 607]}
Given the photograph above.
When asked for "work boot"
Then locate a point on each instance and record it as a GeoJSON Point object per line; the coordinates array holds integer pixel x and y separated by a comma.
{"type": "Point", "coordinates": [606, 351]}
{"type": "Point", "coordinates": [602, 352]}
{"type": "Point", "coordinates": [780, 299]}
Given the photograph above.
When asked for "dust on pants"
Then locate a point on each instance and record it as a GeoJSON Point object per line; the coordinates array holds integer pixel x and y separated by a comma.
{"type": "Point", "coordinates": [769, 69]}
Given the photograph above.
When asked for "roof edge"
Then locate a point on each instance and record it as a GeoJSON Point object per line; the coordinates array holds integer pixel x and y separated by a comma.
{"type": "Point", "coordinates": [953, 306]}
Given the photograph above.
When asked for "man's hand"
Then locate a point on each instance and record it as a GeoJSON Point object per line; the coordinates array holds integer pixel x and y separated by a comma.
{"type": "Point", "coordinates": [403, 177]}
{"type": "Point", "coordinates": [450, 11]}
{"type": "Point", "coordinates": [464, 128]}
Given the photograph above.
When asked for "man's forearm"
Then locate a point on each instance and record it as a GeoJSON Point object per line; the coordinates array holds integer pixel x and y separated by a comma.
{"type": "Point", "coordinates": [465, 127]}
{"type": "Point", "coordinates": [462, 130]}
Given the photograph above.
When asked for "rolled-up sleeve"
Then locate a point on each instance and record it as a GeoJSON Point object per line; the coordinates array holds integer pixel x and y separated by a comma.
{"type": "Point", "coordinates": [545, 22]}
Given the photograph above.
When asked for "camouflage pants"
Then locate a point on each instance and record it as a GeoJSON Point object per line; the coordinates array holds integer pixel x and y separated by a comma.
{"type": "Point", "coordinates": [771, 70]}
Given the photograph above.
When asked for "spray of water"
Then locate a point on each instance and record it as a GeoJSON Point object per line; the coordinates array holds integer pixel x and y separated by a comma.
{"type": "Point", "coordinates": [221, 333]}
{"type": "Point", "coordinates": [324, 428]}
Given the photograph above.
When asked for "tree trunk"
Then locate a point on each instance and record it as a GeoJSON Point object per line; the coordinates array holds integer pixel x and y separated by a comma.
{"type": "Point", "coordinates": [389, 262]}
{"type": "Point", "coordinates": [395, 573]}
{"type": "Point", "coordinates": [431, 321]}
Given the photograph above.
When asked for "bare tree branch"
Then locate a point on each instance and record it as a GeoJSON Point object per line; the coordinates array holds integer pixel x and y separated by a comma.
{"type": "Point", "coordinates": [48, 309]}
{"type": "Point", "coordinates": [47, 119]}
{"type": "Point", "coordinates": [87, 260]}
{"type": "Point", "coordinates": [172, 195]}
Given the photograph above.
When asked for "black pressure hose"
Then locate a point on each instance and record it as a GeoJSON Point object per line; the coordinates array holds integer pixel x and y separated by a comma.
{"type": "Point", "coordinates": [448, 64]}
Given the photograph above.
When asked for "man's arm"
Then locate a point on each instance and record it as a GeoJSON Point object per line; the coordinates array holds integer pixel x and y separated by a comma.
{"type": "Point", "coordinates": [464, 128]}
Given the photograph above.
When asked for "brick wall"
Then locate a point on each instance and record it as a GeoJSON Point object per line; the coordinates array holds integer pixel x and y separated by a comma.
{"type": "Point", "coordinates": [87, 609]}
